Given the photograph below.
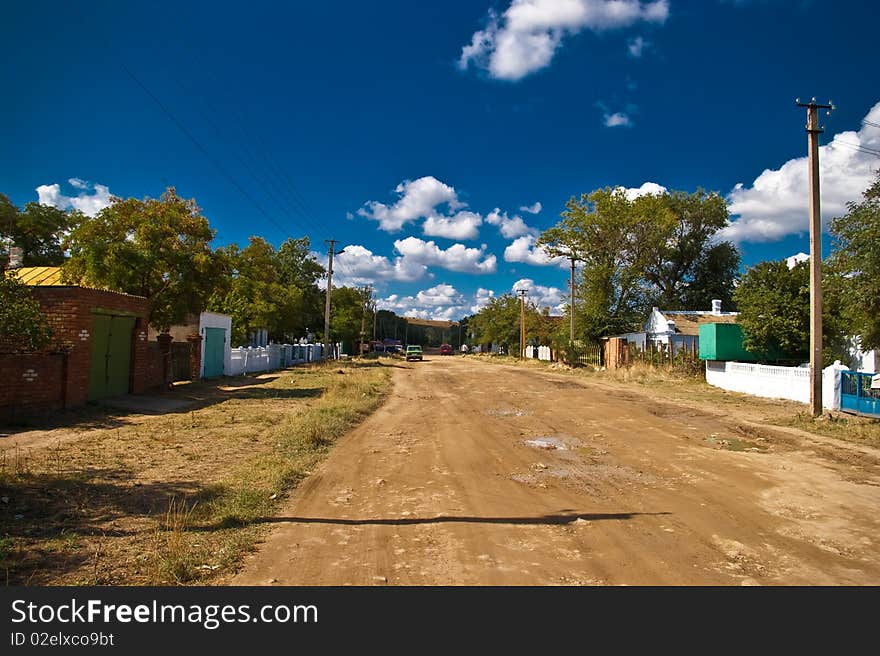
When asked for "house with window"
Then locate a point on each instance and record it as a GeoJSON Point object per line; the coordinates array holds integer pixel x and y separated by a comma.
{"type": "Point", "coordinates": [677, 330]}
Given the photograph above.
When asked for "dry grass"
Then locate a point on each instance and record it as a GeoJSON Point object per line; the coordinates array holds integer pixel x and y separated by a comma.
{"type": "Point", "coordinates": [174, 498]}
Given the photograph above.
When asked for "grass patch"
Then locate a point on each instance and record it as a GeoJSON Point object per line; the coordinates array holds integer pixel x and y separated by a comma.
{"type": "Point", "coordinates": [838, 425]}
{"type": "Point", "coordinates": [176, 498]}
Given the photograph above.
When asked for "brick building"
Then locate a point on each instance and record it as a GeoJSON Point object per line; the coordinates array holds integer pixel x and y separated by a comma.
{"type": "Point", "coordinates": [99, 349]}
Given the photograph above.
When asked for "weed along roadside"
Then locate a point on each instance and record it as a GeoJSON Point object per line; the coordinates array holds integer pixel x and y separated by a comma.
{"type": "Point", "coordinates": [134, 499]}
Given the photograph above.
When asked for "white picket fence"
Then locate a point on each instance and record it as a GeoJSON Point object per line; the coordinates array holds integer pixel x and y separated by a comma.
{"type": "Point", "coordinates": [772, 382]}
{"type": "Point", "coordinates": [537, 353]}
{"type": "Point", "coordinates": [247, 360]}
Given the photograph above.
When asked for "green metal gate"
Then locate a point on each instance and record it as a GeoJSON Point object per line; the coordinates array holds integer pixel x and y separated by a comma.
{"type": "Point", "coordinates": [215, 351]}
{"type": "Point", "coordinates": [111, 355]}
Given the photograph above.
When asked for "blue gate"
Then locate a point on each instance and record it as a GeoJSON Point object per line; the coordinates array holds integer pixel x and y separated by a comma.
{"type": "Point", "coordinates": [857, 396]}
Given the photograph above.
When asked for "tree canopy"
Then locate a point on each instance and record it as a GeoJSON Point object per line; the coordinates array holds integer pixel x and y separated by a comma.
{"type": "Point", "coordinates": [23, 325]}
{"type": "Point", "coordinates": [653, 249]}
{"type": "Point", "coordinates": [774, 305]}
{"type": "Point", "coordinates": [159, 249]}
{"type": "Point", "coordinates": [39, 230]}
{"type": "Point", "coordinates": [856, 259]}
{"type": "Point", "coordinates": [272, 289]}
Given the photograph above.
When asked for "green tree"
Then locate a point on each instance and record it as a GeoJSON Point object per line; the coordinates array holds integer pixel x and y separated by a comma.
{"type": "Point", "coordinates": [686, 268]}
{"type": "Point", "coordinates": [298, 267]}
{"type": "Point", "coordinates": [23, 325]}
{"type": "Point", "coordinates": [774, 304]}
{"type": "Point", "coordinates": [8, 216]}
{"type": "Point", "coordinates": [348, 306]}
{"type": "Point", "coordinates": [39, 230]}
{"type": "Point", "coordinates": [714, 277]}
{"type": "Point", "coordinates": [159, 249]}
{"type": "Point", "coordinates": [498, 322]}
{"type": "Point", "coordinates": [616, 239]}
{"type": "Point", "coordinates": [856, 258]}
{"type": "Point", "coordinates": [252, 292]}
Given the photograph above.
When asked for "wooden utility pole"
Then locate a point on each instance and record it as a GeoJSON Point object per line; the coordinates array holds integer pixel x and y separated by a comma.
{"type": "Point", "coordinates": [522, 322]}
{"type": "Point", "coordinates": [813, 132]}
{"type": "Point", "coordinates": [332, 243]}
{"type": "Point", "coordinates": [571, 303]}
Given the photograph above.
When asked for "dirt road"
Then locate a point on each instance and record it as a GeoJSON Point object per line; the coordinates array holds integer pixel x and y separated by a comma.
{"type": "Point", "coordinates": [475, 473]}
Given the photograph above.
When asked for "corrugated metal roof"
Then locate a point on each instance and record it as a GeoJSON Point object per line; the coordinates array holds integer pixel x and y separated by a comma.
{"type": "Point", "coordinates": [689, 323]}
{"type": "Point", "coordinates": [51, 277]}
{"type": "Point", "coordinates": [413, 321]}
{"type": "Point", "coordinates": [38, 276]}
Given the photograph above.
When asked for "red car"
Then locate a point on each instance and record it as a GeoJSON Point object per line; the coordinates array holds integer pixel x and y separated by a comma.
{"type": "Point", "coordinates": [445, 349]}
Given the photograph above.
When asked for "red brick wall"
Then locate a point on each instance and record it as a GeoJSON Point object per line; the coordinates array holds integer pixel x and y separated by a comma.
{"type": "Point", "coordinates": [69, 313]}
{"type": "Point", "coordinates": [31, 383]}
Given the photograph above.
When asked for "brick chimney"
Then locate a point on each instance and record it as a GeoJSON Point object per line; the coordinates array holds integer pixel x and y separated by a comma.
{"type": "Point", "coordinates": [16, 257]}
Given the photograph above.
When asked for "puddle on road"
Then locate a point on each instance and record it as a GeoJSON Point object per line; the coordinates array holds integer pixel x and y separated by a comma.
{"type": "Point", "coordinates": [735, 444]}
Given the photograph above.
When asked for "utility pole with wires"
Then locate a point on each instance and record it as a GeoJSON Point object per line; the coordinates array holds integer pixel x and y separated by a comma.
{"type": "Point", "coordinates": [522, 322]}
{"type": "Point", "coordinates": [571, 302]}
{"type": "Point", "coordinates": [813, 132]}
{"type": "Point", "coordinates": [329, 291]}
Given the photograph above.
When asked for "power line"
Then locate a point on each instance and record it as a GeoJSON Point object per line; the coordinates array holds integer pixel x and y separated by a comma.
{"type": "Point", "coordinates": [283, 192]}
{"type": "Point", "coordinates": [858, 147]}
{"type": "Point", "coordinates": [257, 178]}
{"type": "Point", "coordinates": [203, 150]}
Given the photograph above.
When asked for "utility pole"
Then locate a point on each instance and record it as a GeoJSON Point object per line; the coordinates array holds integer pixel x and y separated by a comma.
{"type": "Point", "coordinates": [571, 303]}
{"type": "Point", "coordinates": [363, 318]}
{"type": "Point", "coordinates": [813, 132]}
{"type": "Point", "coordinates": [522, 322]}
{"type": "Point", "coordinates": [332, 243]}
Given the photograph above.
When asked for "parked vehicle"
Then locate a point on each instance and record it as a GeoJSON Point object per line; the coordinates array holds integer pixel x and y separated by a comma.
{"type": "Point", "coordinates": [446, 349]}
{"type": "Point", "coordinates": [413, 353]}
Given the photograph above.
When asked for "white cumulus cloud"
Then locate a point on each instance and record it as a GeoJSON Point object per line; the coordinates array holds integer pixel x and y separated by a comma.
{"type": "Point", "coordinates": [796, 259]}
{"type": "Point", "coordinates": [87, 203]}
{"type": "Point", "coordinates": [541, 296]}
{"type": "Point", "coordinates": [441, 302]}
{"type": "Point", "coordinates": [532, 209]}
{"type": "Point", "coordinates": [617, 120]}
{"type": "Point", "coordinates": [457, 257]}
{"type": "Point", "coordinates": [527, 35]}
{"type": "Point", "coordinates": [523, 249]}
{"type": "Point", "coordinates": [636, 47]}
{"type": "Point", "coordinates": [510, 227]}
{"type": "Point", "coordinates": [417, 199]}
{"type": "Point", "coordinates": [481, 299]}
{"type": "Point", "coordinates": [648, 188]}
{"type": "Point", "coordinates": [461, 225]}
{"type": "Point", "coordinates": [777, 203]}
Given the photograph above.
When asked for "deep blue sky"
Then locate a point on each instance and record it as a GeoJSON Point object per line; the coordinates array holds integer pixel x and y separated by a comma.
{"type": "Point", "coordinates": [336, 104]}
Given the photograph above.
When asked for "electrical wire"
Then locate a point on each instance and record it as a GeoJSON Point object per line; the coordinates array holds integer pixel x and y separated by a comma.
{"type": "Point", "coordinates": [189, 135]}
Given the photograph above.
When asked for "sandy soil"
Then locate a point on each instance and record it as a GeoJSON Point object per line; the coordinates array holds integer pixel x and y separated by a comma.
{"type": "Point", "coordinates": [474, 473]}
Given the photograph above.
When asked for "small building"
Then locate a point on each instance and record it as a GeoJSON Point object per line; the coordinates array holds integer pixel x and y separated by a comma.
{"type": "Point", "coordinates": [99, 348]}
{"type": "Point", "coordinates": [211, 333]}
{"type": "Point", "coordinates": [677, 330]}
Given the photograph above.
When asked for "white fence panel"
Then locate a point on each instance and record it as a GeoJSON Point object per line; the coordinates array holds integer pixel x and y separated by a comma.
{"type": "Point", "coordinates": [792, 383]}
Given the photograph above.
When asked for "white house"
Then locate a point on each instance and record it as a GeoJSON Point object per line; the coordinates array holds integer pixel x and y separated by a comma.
{"type": "Point", "coordinates": [679, 329]}
{"type": "Point", "coordinates": [863, 361]}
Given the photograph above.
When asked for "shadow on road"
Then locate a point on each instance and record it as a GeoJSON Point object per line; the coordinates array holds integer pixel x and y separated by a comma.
{"type": "Point", "coordinates": [406, 521]}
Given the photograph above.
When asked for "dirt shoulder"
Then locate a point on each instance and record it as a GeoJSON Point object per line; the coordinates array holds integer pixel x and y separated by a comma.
{"type": "Point", "coordinates": [100, 496]}
{"type": "Point", "coordinates": [476, 473]}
